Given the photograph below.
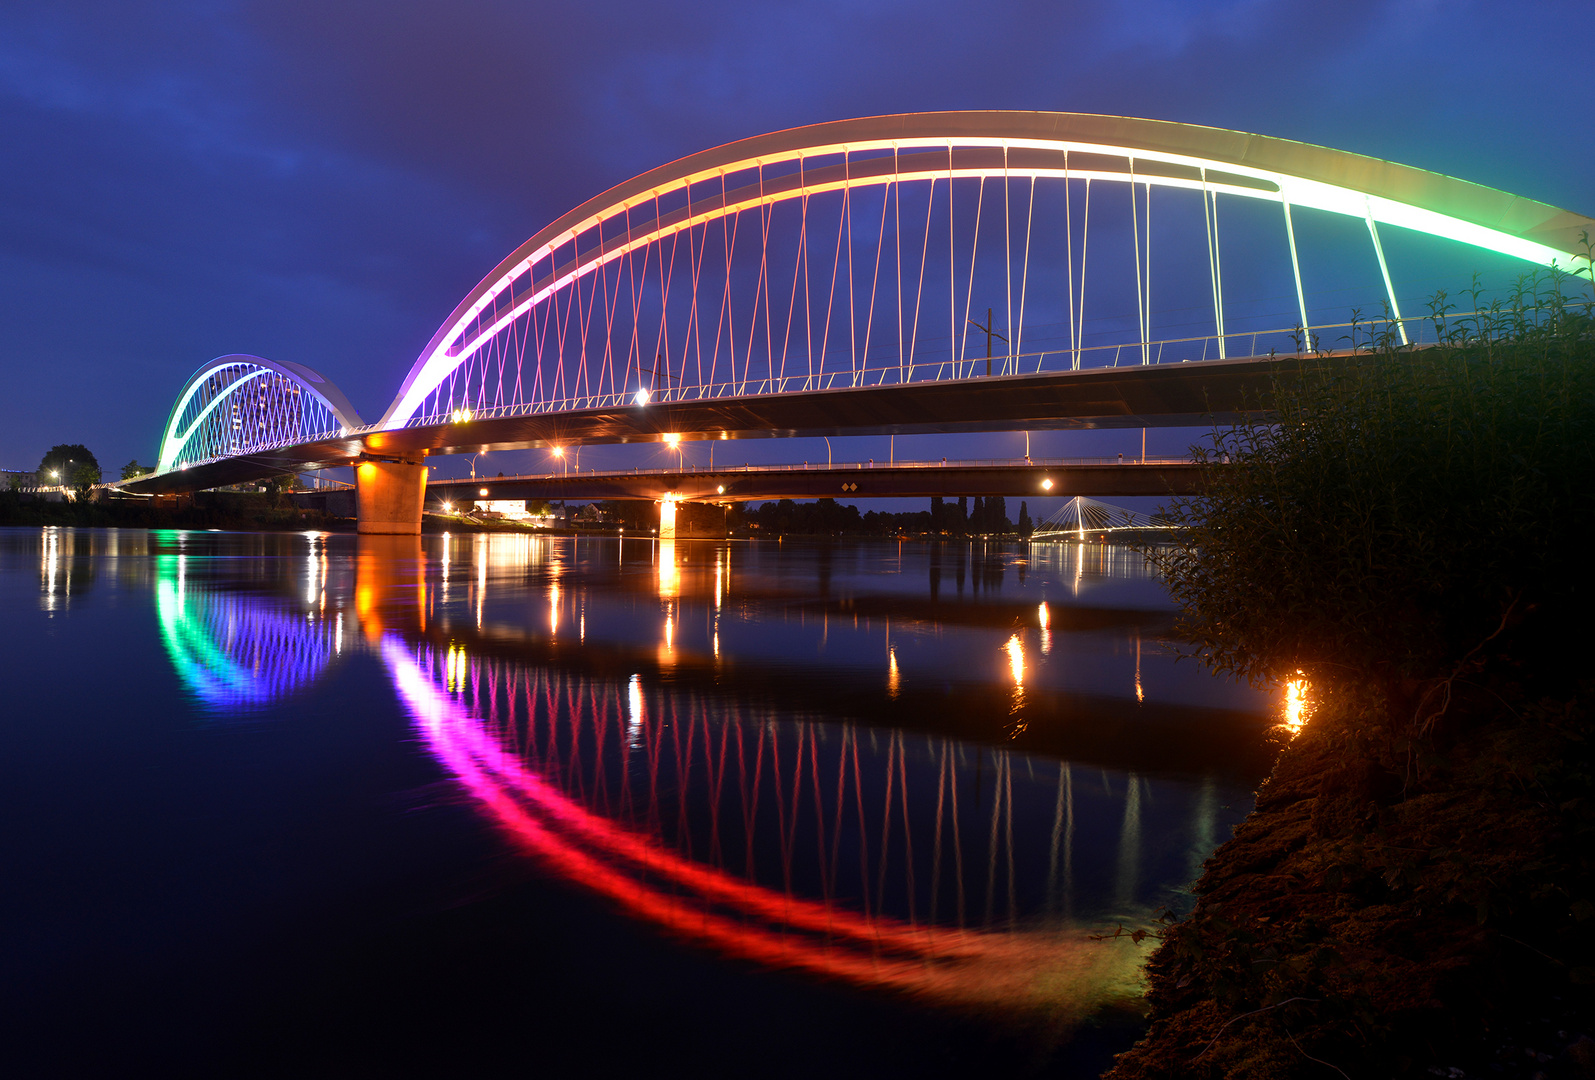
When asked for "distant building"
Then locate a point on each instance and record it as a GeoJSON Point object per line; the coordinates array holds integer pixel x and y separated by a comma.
{"type": "Point", "coordinates": [12, 479]}
{"type": "Point", "coordinates": [513, 509]}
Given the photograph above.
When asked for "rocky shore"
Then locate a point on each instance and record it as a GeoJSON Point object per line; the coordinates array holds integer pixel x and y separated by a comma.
{"type": "Point", "coordinates": [1396, 907]}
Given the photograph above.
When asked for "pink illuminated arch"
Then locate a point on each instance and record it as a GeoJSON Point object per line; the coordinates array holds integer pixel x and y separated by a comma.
{"type": "Point", "coordinates": [757, 174]}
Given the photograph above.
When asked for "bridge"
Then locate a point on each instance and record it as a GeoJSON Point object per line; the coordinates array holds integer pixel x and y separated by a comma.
{"type": "Point", "coordinates": [654, 773]}
{"type": "Point", "coordinates": [922, 273]}
{"type": "Point", "coordinates": [859, 479]}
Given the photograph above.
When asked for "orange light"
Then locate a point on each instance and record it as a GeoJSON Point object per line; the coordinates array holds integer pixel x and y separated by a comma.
{"type": "Point", "coordinates": [559, 451]}
{"type": "Point", "coordinates": [1298, 706]}
{"type": "Point", "coordinates": [672, 440]}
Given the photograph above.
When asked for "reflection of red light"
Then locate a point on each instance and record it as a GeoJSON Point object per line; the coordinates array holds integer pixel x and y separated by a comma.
{"type": "Point", "coordinates": [709, 905]}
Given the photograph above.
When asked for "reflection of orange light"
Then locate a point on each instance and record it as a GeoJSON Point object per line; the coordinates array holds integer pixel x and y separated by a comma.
{"type": "Point", "coordinates": [1016, 659]}
{"type": "Point", "coordinates": [893, 679]}
{"type": "Point", "coordinates": [669, 573]}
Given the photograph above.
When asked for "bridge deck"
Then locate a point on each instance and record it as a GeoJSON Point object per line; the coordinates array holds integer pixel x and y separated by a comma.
{"type": "Point", "coordinates": [1170, 395]}
{"type": "Point", "coordinates": [919, 479]}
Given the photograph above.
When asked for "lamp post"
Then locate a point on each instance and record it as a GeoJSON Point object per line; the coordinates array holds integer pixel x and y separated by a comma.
{"type": "Point", "coordinates": [474, 456]}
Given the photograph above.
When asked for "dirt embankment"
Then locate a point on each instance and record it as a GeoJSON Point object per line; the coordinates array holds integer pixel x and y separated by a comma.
{"type": "Point", "coordinates": [1396, 908]}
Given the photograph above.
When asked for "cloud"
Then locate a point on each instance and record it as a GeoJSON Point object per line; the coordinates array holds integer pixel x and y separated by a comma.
{"type": "Point", "coordinates": [322, 182]}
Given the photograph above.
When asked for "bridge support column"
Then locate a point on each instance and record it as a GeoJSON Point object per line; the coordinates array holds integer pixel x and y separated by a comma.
{"type": "Point", "coordinates": [389, 496]}
{"type": "Point", "coordinates": [667, 519]}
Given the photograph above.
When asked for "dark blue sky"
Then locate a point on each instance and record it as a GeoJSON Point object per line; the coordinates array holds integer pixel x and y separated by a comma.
{"type": "Point", "coordinates": [322, 182]}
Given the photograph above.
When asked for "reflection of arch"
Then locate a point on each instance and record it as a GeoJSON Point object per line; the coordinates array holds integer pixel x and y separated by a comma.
{"type": "Point", "coordinates": [755, 175]}
{"type": "Point", "coordinates": [238, 651]}
{"type": "Point", "coordinates": [239, 404]}
{"type": "Point", "coordinates": [539, 780]}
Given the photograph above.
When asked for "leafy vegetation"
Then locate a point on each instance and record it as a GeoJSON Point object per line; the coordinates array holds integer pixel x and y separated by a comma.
{"type": "Point", "coordinates": [1411, 513]}
{"type": "Point", "coordinates": [65, 463]}
{"type": "Point", "coordinates": [1415, 893]}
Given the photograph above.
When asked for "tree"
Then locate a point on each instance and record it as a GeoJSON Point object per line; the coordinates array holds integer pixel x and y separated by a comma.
{"type": "Point", "coordinates": [83, 476]}
{"type": "Point", "coordinates": [1411, 515]}
{"type": "Point", "coordinates": [283, 483]}
{"type": "Point", "coordinates": [938, 514]}
{"type": "Point", "coordinates": [133, 468]}
{"type": "Point", "coordinates": [57, 466]}
{"type": "Point", "coordinates": [1026, 526]}
{"type": "Point", "coordinates": [997, 515]}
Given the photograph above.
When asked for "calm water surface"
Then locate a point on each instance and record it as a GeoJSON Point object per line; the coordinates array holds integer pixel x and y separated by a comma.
{"type": "Point", "coordinates": [282, 804]}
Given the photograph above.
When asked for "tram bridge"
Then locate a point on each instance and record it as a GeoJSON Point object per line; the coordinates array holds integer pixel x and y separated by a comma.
{"type": "Point", "coordinates": [861, 479]}
{"type": "Point", "coordinates": [923, 273]}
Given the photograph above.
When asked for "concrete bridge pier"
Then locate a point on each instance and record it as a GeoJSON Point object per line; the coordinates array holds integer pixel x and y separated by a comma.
{"type": "Point", "coordinates": [388, 495]}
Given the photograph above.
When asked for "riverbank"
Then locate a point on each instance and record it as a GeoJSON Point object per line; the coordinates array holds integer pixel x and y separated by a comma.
{"type": "Point", "coordinates": [1396, 908]}
{"type": "Point", "coordinates": [203, 510]}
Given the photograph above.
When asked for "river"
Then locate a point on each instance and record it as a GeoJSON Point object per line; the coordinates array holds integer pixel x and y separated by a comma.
{"type": "Point", "coordinates": [501, 805]}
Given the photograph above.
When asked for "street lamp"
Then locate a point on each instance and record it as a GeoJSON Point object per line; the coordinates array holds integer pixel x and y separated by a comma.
{"type": "Point", "coordinates": [473, 462]}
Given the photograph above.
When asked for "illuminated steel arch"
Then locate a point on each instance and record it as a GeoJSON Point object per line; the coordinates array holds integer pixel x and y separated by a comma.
{"type": "Point", "coordinates": [848, 253]}
{"type": "Point", "coordinates": [241, 404]}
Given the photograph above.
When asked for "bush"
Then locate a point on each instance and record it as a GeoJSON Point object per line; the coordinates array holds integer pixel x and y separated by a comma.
{"type": "Point", "coordinates": [1412, 513]}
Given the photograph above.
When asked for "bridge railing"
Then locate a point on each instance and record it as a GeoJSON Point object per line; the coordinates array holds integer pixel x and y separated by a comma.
{"type": "Point", "coordinates": [839, 466]}
{"type": "Point", "coordinates": [1354, 336]}
{"type": "Point", "coordinates": [1328, 338]}
{"type": "Point", "coordinates": [1279, 341]}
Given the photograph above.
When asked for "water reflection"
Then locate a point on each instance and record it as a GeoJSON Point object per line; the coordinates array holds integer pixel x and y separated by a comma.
{"type": "Point", "coordinates": [713, 753]}
{"type": "Point", "coordinates": [69, 560]}
{"type": "Point", "coordinates": [884, 858]}
{"type": "Point", "coordinates": [239, 651]}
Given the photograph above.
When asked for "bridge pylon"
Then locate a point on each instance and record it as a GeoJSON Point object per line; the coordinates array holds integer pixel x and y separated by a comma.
{"type": "Point", "coordinates": [388, 496]}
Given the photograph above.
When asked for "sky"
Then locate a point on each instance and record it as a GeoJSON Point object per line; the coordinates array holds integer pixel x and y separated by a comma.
{"type": "Point", "coordinates": [322, 182]}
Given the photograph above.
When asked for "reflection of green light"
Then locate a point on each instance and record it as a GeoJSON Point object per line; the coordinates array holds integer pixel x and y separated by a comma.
{"type": "Point", "coordinates": [200, 664]}
{"type": "Point", "coordinates": [205, 633]}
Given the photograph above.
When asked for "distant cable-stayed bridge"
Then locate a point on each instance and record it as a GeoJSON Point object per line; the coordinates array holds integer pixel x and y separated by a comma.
{"type": "Point", "coordinates": [922, 273]}
{"type": "Point", "coordinates": [1083, 517]}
